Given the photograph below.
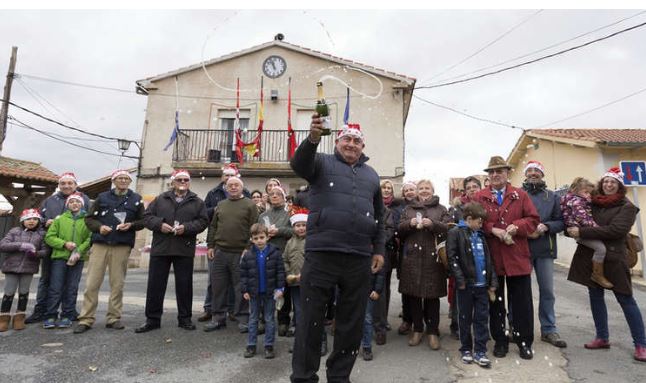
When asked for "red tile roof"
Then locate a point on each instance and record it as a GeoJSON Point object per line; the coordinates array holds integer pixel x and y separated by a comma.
{"type": "Point", "coordinates": [26, 170]}
{"type": "Point", "coordinates": [601, 136]}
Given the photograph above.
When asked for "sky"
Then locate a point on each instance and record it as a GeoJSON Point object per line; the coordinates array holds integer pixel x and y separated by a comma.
{"type": "Point", "coordinates": [115, 48]}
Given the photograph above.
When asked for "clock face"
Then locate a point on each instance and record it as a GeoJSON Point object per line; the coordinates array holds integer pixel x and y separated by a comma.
{"type": "Point", "coordinates": [274, 66]}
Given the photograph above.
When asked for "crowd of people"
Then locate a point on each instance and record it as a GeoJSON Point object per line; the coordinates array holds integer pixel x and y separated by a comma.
{"type": "Point", "coordinates": [326, 257]}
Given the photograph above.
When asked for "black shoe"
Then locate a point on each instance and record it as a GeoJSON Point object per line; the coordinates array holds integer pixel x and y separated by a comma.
{"type": "Point", "coordinates": [35, 318]}
{"type": "Point", "coordinates": [250, 352]}
{"type": "Point", "coordinates": [367, 353]}
{"type": "Point", "coordinates": [81, 328]}
{"type": "Point", "coordinates": [146, 327]}
{"type": "Point", "coordinates": [269, 352]}
{"type": "Point", "coordinates": [116, 325]}
{"type": "Point", "coordinates": [324, 348]}
{"type": "Point", "coordinates": [500, 350]}
{"type": "Point", "coordinates": [525, 352]}
{"type": "Point", "coordinates": [186, 326]}
{"type": "Point", "coordinates": [215, 325]}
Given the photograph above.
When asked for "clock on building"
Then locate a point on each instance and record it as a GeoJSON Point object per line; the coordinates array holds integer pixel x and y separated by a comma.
{"type": "Point", "coordinates": [274, 66]}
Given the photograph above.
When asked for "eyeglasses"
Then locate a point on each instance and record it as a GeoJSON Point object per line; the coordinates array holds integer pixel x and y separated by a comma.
{"type": "Point", "coordinates": [182, 180]}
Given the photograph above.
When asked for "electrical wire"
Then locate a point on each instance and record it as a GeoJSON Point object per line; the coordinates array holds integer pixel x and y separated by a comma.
{"type": "Point", "coordinates": [21, 124]}
{"type": "Point", "coordinates": [467, 114]}
{"type": "Point", "coordinates": [543, 49]}
{"type": "Point", "coordinates": [492, 42]}
{"type": "Point", "coordinates": [593, 109]}
{"type": "Point", "coordinates": [533, 61]}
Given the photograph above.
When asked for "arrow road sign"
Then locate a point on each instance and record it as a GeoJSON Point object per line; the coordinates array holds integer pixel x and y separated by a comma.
{"type": "Point", "coordinates": [634, 172]}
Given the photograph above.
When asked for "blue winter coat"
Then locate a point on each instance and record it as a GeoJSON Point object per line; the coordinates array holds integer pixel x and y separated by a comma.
{"type": "Point", "coordinates": [54, 205]}
{"type": "Point", "coordinates": [102, 213]}
{"type": "Point", "coordinates": [274, 271]}
{"type": "Point", "coordinates": [548, 206]}
{"type": "Point", "coordinates": [346, 207]}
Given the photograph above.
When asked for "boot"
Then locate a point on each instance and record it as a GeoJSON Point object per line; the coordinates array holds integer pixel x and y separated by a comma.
{"type": "Point", "coordinates": [415, 339]}
{"type": "Point", "coordinates": [4, 321]}
{"type": "Point", "coordinates": [434, 341]}
{"type": "Point", "coordinates": [19, 321]}
{"type": "Point", "coordinates": [598, 277]}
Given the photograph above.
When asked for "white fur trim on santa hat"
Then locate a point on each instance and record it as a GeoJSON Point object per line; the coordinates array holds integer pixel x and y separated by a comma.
{"type": "Point", "coordinates": [29, 214]}
{"type": "Point", "coordinates": [353, 130]}
{"type": "Point", "coordinates": [231, 169]}
{"type": "Point", "coordinates": [68, 176]}
{"type": "Point", "coordinates": [120, 172]}
{"type": "Point", "coordinates": [75, 196]}
{"type": "Point", "coordinates": [180, 172]}
{"type": "Point", "coordinates": [534, 165]}
{"type": "Point", "coordinates": [296, 218]}
{"type": "Point", "coordinates": [615, 173]}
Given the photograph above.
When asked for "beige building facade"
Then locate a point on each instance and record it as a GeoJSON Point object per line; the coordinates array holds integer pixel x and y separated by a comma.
{"type": "Point", "coordinates": [570, 153]}
{"type": "Point", "coordinates": [205, 97]}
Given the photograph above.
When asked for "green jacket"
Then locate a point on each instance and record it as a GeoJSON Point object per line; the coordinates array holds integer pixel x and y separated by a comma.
{"type": "Point", "coordinates": [66, 228]}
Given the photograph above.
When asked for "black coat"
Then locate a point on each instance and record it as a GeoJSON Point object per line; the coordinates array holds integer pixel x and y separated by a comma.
{"type": "Point", "coordinates": [191, 213]}
{"type": "Point", "coordinates": [346, 208]}
{"type": "Point", "coordinates": [460, 254]}
{"type": "Point", "coordinates": [274, 271]}
{"type": "Point", "coordinates": [102, 213]}
{"type": "Point", "coordinates": [548, 206]}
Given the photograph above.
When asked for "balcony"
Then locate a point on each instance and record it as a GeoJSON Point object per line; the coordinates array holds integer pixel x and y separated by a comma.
{"type": "Point", "coordinates": [207, 149]}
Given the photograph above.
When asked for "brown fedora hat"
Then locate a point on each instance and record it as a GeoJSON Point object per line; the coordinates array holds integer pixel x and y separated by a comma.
{"type": "Point", "coordinates": [497, 162]}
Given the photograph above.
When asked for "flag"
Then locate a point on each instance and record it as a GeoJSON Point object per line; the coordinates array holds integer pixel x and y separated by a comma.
{"type": "Point", "coordinates": [235, 148]}
{"type": "Point", "coordinates": [252, 147]}
{"type": "Point", "coordinates": [346, 114]}
{"type": "Point", "coordinates": [173, 136]}
{"type": "Point", "coordinates": [291, 143]}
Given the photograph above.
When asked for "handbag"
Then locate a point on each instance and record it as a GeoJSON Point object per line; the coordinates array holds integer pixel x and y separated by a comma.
{"type": "Point", "coordinates": [440, 249]}
{"type": "Point", "coordinates": [634, 245]}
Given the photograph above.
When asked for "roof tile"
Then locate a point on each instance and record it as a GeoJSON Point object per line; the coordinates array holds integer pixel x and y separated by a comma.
{"type": "Point", "coordinates": [601, 136]}
{"type": "Point", "coordinates": [27, 170]}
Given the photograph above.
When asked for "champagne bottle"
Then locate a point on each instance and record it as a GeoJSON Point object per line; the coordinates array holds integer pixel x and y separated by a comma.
{"type": "Point", "coordinates": [323, 110]}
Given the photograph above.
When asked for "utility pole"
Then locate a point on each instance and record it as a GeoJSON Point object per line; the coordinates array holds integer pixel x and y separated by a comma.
{"type": "Point", "coordinates": [7, 95]}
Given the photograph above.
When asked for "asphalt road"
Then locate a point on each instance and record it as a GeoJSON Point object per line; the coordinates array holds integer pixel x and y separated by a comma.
{"type": "Point", "coordinates": [172, 354]}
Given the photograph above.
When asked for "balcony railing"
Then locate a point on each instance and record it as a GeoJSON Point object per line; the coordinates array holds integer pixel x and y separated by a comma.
{"type": "Point", "coordinates": [208, 145]}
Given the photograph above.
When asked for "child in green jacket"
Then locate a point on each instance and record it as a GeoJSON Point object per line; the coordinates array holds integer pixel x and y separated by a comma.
{"type": "Point", "coordinates": [69, 239]}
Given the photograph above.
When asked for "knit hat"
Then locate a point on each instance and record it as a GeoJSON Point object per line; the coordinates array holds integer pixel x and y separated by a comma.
{"type": "Point", "coordinates": [409, 183]}
{"type": "Point", "coordinates": [180, 172]}
{"type": "Point", "coordinates": [120, 172]}
{"type": "Point", "coordinates": [68, 176]}
{"type": "Point", "coordinates": [76, 196]}
{"type": "Point", "coordinates": [29, 214]}
{"type": "Point", "coordinates": [231, 169]}
{"type": "Point", "coordinates": [534, 165]}
{"type": "Point", "coordinates": [353, 130]}
{"type": "Point", "coordinates": [281, 190]}
{"type": "Point", "coordinates": [299, 214]}
{"type": "Point", "coordinates": [615, 173]}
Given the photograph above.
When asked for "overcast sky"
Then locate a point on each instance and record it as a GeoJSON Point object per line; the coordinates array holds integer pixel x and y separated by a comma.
{"type": "Point", "coordinates": [116, 48]}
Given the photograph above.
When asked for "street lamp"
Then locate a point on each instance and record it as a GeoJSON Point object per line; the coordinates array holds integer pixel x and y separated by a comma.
{"type": "Point", "coordinates": [124, 145]}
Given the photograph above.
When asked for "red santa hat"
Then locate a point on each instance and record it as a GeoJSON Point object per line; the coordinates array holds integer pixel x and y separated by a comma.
{"type": "Point", "coordinates": [75, 196]}
{"type": "Point", "coordinates": [67, 176]}
{"type": "Point", "coordinates": [299, 214]}
{"type": "Point", "coordinates": [120, 172]}
{"type": "Point", "coordinates": [231, 169]}
{"type": "Point", "coordinates": [615, 173]}
{"type": "Point", "coordinates": [534, 165]}
{"type": "Point", "coordinates": [29, 214]}
{"type": "Point", "coordinates": [180, 173]}
{"type": "Point", "coordinates": [353, 130]}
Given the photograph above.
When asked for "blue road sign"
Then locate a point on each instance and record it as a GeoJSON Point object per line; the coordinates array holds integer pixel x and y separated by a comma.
{"type": "Point", "coordinates": [634, 172]}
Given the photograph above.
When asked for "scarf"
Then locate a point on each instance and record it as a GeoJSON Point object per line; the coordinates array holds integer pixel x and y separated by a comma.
{"type": "Point", "coordinates": [602, 200]}
{"type": "Point", "coordinates": [388, 200]}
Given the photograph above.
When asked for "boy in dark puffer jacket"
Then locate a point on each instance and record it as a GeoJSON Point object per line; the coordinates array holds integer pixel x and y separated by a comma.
{"type": "Point", "coordinates": [262, 277]}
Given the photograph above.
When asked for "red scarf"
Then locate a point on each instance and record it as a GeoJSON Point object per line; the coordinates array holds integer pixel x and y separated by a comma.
{"type": "Point", "coordinates": [388, 200]}
{"type": "Point", "coordinates": [602, 200]}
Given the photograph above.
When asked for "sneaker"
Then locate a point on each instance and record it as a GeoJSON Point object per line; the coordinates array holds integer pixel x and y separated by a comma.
{"type": "Point", "coordinates": [250, 352]}
{"type": "Point", "coordinates": [34, 318]}
{"type": "Point", "coordinates": [116, 325]}
{"type": "Point", "coordinates": [640, 353]}
{"type": "Point", "coordinates": [467, 357]}
{"type": "Point", "coordinates": [554, 339]}
{"type": "Point", "coordinates": [367, 353]}
{"type": "Point", "coordinates": [481, 359]}
{"type": "Point", "coordinates": [214, 325]}
{"type": "Point", "coordinates": [64, 323]}
{"type": "Point", "coordinates": [81, 328]}
{"type": "Point", "coordinates": [243, 327]}
{"type": "Point", "coordinates": [269, 352]}
{"type": "Point", "coordinates": [49, 323]}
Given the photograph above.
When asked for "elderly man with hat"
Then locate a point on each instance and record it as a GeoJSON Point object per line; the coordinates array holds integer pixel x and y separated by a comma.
{"type": "Point", "coordinates": [542, 246]}
{"type": "Point", "coordinates": [52, 207]}
{"type": "Point", "coordinates": [113, 220]}
{"type": "Point", "coordinates": [511, 218]}
{"type": "Point", "coordinates": [175, 217]}
{"type": "Point", "coordinates": [345, 243]}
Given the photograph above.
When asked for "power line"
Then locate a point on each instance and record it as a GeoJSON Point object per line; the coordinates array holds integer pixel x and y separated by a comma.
{"type": "Point", "coordinates": [492, 42]}
{"type": "Point", "coordinates": [544, 49]}
{"type": "Point", "coordinates": [532, 61]}
{"type": "Point", "coordinates": [593, 109]}
{"type": "Point", "coordinates": [467, 114]}
{"type": "Point", "coordinates": [21, 124]}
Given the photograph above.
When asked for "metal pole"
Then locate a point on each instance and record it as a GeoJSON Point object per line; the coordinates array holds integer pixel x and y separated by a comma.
{"type": "Point", "coordinates": [639, 230]}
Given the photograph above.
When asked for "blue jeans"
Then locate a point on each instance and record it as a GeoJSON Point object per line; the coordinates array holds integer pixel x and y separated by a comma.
{"type": "Point", "coordinates": [63, 288]}
{"type": "Point", "coordinates": [473, 309]}
{"type": "Point", "coordinates": [257, 303]}
{"type": "Point", "coordinates": [544, 268]}
{"type": "Point", "coordinates": [366, 341]}
{"type": "Point", "coordinates": [296, 301]}
{"type": "Point", "coordinates": [630, 309]}
{"type": "Point", "coordinates": [43, 286]}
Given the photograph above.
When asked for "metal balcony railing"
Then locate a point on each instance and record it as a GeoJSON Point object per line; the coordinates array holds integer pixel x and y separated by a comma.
{"type": "Point", "coordinates": [208, 145]}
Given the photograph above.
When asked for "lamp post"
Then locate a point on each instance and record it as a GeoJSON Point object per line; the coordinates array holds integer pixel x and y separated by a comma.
{"type": "Point", "coordinates": [124, 145]}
